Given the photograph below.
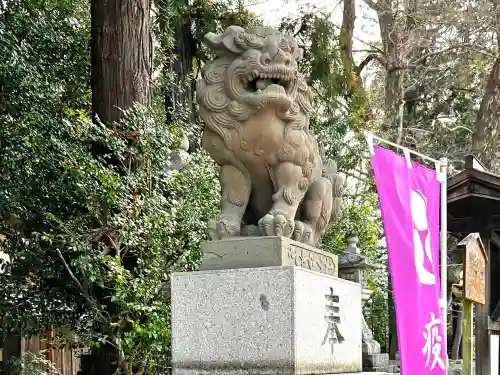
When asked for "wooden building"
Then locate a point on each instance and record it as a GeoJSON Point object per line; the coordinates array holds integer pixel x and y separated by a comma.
{"type": "Point", "coordinates": [474, 206]}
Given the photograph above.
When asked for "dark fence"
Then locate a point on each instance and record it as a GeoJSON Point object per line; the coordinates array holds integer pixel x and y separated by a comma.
{"type": "Point", "coordinates": [66, 360]}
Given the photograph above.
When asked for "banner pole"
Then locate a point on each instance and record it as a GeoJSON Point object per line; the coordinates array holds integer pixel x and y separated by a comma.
{"type": "Point", "coordinates": [444, 250]}
{"type": "Point", "coordinates": [371, 137]}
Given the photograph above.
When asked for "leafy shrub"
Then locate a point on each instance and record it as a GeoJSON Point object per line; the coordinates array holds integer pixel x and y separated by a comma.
{"type": "Point", "coordinates": [33, 364]}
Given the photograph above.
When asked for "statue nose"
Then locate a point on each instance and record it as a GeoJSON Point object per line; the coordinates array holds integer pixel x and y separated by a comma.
{"type": "Point", "coordinates": [282, 57]}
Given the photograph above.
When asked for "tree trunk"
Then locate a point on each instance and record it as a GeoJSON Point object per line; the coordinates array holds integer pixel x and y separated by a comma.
{"type": "Point", "coordinates": [346, 36]}
{"type": "Point", "coordinates": [121, 72]}
{"type": "Point", "coordinates": [358, 101]}
{"type": "Point", "coordinates": [393, 44]}
{"type": "Point", "coordinates": [485, 136]}
{"type": "Point", "coordinates": [394, 101]}
{"type": "Point", "coordinates": [179, 97]}
{"type": "Point", "coordinates": [182, 98]}
{"type": "Point", "coordinates": [121, 56]}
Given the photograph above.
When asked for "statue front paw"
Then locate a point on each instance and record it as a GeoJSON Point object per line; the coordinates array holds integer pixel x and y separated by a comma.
{"type": "Point", "coordinates": [303, 233]}
{"type": "Point", "coordinates": [223, 227]}
{"type": "Point", "coordinates": [276, 223]}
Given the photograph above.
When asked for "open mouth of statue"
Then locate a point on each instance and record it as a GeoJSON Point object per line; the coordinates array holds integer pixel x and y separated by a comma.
{"type": "Point", "coordinates": [261, 82]}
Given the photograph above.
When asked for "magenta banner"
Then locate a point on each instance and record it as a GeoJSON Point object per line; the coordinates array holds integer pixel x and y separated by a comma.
{"type": "Point", "coordinates": [409, 201]}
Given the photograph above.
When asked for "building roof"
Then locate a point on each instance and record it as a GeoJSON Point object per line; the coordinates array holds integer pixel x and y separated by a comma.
{"type": "Point", "coordinates": [473, 199]}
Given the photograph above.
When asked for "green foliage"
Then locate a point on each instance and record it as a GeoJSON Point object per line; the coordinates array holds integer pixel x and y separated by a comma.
{"type": "Point", "coordinates": [78, 222]}
{"type": "Point", "coordinates": [33, 364]}
{"type": "Point", "coordinates": [360, 218]}
{"type": "Point", "coordinates": [339, 113]}
{"type": "Point", "coordinates": [180, 28]}
{"type": "Point", "coordinates": [216, 16]}
{"type": "Point", "coordinates": [44, 70]}
{"type": "Point", "coordinates": [45, 65]}
{"type": "Point", "coordinates": [92, 219]}
{"type": "Point", "coordinates": [376, 311]}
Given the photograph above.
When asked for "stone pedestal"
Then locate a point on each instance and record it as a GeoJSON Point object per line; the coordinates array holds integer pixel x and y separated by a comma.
{"type": "Point", "coordinates": [267, 321]}
{"type": "Point", "coordinates": [253, 252]}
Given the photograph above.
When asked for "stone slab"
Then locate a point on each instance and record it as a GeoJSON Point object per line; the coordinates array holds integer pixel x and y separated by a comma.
{"type": "Point", "coordinates": [254, 252]}
{"type": "Point", "coordinates": [264, 321]}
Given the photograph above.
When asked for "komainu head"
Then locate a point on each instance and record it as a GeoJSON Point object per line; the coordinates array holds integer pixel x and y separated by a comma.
{"type": "Point", "coordinates": [253, 69]}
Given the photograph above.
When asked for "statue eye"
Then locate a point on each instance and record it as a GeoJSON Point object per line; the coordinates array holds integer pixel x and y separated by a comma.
{"type": "Point", "coordinates": [265, 58]}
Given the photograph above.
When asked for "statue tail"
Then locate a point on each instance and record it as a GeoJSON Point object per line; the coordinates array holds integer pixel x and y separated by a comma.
{"type": "Point", "coordinates": [338, 187]}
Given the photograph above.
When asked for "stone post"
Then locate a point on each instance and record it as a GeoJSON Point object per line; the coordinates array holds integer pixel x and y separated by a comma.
{"type": "Point", "coordinates": [354, 267]}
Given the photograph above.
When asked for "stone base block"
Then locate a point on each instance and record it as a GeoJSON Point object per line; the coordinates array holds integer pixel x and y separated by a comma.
{"type": "Point", "coordinates": [253, 252]}
{"type": "Point", "coordinates": [265, 321]}
{"type": "Point", "coordinates": [371, 346]}
{"type": "Point", "coordinates": [375, 360]}
{"type": "Point", "coordinates": [389, 369]}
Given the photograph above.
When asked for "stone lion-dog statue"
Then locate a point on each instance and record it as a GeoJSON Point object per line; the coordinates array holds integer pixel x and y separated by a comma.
{"type": "Point", "coordinates": [255, 105]}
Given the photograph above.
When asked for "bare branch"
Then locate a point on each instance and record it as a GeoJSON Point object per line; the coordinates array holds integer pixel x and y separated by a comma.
{"type": "Point", "coordinates": [113, 244]}
{"type": "Point", "coordinates": [370, 45]}
{"type": "Point", "coordinates": [368, 50]}
{"type": "Point", "coordinates": [372, 4]}
{"type": "Point", "coordinates": [474, 47]}
{"type": "Point", "coordinates": [460, 127]}
{"type": "Point", "coordinates": [77, 282]}
{"type": "Point", "coordinates": [368, 59]}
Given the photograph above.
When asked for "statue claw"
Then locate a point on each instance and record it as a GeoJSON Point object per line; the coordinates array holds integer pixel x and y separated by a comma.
{"type": "Point", "coordinates": [303, 233]}
{"type": "Point", "coordinates": [223, 227]}
{"type": "Point", "coordinates": [276, 223]}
